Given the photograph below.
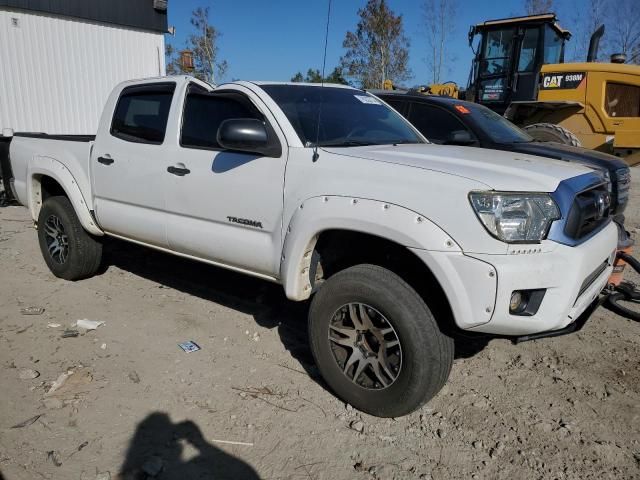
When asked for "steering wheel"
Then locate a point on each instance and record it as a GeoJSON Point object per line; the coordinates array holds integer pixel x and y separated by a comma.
{"type": "Point", "coordinates": [498, 68]}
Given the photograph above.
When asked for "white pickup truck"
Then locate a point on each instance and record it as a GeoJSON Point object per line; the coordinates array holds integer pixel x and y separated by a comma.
{"type": "Point", "coordinates": [328, 191]}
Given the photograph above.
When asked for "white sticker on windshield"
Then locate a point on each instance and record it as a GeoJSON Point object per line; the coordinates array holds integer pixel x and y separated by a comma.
{"type": "Point", "coordinates": [368, 99]}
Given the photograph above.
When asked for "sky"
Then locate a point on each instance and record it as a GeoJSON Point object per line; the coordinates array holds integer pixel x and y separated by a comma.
{"type": "Point", "coordinates": [274, 39]}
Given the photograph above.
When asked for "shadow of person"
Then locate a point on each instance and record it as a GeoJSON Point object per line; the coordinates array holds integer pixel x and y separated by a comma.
{"type": "Point", "coordinates": [1, 476]}
{"type": "Point", "coordinates": [159, 447]}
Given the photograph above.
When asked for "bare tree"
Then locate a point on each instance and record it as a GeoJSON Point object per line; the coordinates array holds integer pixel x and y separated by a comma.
{"type": "Point", "coordinates": [623, 34]}
{"type": "Point", "coordinates": [203, 45]}
{"type": "Point", "coordinates": [378, 50]}
{"type": "Point", "coordinates": [586, 20]}
{"type": "Point", "coordinates": [534, 7]}
{"type": "Point", "coordinates": [438, 21]}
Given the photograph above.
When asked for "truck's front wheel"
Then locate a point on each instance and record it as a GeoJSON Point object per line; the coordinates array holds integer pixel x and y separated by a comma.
{"type": "Point", "coordinates": [68, 250]}
{"type": "Point", "coordinates": [376, 343]}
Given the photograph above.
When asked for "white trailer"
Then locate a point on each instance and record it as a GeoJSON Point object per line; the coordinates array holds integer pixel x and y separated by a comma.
{"type": "Point", "coordinates": [59, 63]}
{"type": "Point", "coordinates": [60, 60]}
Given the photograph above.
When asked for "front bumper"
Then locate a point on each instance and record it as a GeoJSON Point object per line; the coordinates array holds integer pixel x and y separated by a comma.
{"type": "Point", "coordinates": [479, 286]}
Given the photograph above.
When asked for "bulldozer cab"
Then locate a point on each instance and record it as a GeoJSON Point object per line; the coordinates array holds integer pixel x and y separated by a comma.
{"type": "Point", "coordinates": [509, 56]}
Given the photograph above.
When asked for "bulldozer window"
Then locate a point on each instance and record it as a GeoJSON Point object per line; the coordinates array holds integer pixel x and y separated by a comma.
{"type": "Point", "coordinates": [552, 46]}
{"type": "Point", "coordinates": [622, 100]}
{"type": "Point", "coordinates": [528, 50]}
{"type": "Point", "coordinates": [497, 52]}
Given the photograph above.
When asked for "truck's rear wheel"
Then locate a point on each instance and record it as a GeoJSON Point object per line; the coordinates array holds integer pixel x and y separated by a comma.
{"type": "Point", "coordinates": [549, 132]}
{"type": "Point", "coordinates": [376, 343]}
{"type": "Point", "coordinates": [68, 250]}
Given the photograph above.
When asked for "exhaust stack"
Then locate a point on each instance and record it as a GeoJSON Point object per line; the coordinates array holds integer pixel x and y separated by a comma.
{"type": "Point", "coordinates": [594, 43]}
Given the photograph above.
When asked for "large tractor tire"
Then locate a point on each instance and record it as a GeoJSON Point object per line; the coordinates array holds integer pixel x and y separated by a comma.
{"type": "Point", "coordinates": [548, 132]}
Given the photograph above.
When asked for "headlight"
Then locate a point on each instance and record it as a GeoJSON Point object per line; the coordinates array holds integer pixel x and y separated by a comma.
{"type": "Point", "coordinates": [515, 217]}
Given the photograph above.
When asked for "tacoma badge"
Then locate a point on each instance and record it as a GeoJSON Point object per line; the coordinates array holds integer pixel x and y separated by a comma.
{"type": "Point", "coordinates": [245, 221]}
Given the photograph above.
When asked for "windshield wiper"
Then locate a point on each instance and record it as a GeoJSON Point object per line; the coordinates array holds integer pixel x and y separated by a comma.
{"type": "Point", "coordinates": [349, 143]}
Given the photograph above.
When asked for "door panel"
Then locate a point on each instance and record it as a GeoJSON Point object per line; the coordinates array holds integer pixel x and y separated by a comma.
{"type": "Point", "coordinates": [129, 198]}
{"type": "Point", "coordinates": [126, 165]}
{"type": "Point", "coordinates": [228, 208]}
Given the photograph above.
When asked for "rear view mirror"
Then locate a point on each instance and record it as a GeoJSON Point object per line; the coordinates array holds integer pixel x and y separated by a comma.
{"type": "Point", "coordinates": [247, 135]}
{"type": "Point", "coordinates": [460, 137]}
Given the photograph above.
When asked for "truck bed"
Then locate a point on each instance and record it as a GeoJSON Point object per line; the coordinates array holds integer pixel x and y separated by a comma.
{"type": "Point", "coordinates": [70, 151]}
{"type": "Point", "coordinates": [70, 138]}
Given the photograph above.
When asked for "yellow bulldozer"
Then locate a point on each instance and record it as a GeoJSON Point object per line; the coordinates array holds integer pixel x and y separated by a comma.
{"type": "Point", "coordinates": [518, 70]}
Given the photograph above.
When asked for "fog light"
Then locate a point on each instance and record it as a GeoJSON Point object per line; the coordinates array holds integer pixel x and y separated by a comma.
{"type": "Point", "coordinates": [517, 302]}
{"type": "Point", "coordinates": [526, 302]}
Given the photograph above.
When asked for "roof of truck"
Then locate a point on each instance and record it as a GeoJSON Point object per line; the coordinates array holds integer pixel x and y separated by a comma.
{"type": "Point", "coordinates": [338, 85]}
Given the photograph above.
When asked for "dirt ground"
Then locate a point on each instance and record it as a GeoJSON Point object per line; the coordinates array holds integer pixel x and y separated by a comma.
{"type": "Point", "coordinates": [137, 405]}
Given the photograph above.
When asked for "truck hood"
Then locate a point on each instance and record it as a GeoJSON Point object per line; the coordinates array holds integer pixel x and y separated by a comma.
{"type": "Point", "coordinates": [498, 170]}
{"type": "Point", "coordinates": [568, 153]}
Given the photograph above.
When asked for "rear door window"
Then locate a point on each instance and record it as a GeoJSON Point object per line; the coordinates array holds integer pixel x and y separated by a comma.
{"type": "Point", "coordinates": [435, 123]}
{"type": "Point", "coordinates": [528, 50]}
{"type": "Point", "coordinates": [142, 112]}
{"type": "Point", "coordinates": [397, 104]}
{"type": "Point", "coordinates": [205, 112]}
{"type": "Point", "coordinates": [552, 46]}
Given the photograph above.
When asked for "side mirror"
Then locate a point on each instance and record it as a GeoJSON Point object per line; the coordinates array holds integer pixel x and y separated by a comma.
{"type": "Point", "coordinates": [460, 137]}
{"type": "Point", "coordinates": [247, 135]}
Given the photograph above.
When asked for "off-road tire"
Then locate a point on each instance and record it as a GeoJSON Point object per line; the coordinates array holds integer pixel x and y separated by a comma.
{"type": "Point", "coordinates": [84, 251]}
{"type": "Point", "coordinates": [427, 354]}
{"type": "Point", "coordinates": [549, 132]}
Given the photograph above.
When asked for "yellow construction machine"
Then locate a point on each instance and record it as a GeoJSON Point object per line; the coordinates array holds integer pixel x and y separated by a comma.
{"type": "Point", "coordinates": [518, 70]}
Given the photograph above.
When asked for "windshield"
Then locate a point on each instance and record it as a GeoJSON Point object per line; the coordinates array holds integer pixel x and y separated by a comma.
{"type": "Point", "coordinates": [348, 117]}
{"type": "Point", "coordinates": [496, 127]}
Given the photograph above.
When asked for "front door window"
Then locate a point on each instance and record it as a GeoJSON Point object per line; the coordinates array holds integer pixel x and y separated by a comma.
{"type": "Point", "coordinates": [497, 53]}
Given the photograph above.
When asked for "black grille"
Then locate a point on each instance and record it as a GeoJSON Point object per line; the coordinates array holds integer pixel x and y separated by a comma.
{"type": "Point", "coordinates": [589, 211]}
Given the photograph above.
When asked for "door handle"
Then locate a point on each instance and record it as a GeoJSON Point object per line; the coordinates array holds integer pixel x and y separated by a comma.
{"type": "Point", "coordinates": [105, 160]}
{"type": "Point", "coordinates": [179, 171]}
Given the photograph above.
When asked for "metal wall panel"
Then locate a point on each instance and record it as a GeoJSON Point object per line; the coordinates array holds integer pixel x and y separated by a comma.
{"type": "Point", "coordinates": [56, 73]}
{"type": "Point", "coordinates": [131, 13]}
